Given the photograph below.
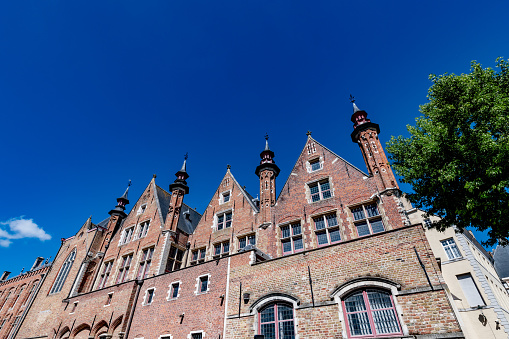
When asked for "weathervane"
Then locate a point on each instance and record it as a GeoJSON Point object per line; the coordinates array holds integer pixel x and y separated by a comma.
{"type": "Point", "coordinates": [266, 136]}
{"type": "Point", "coordinates": [186, 156]}
{"type": "Point", "coordinates": [129, 184]}
{"type": "Point", "coordinates": [352, 99]}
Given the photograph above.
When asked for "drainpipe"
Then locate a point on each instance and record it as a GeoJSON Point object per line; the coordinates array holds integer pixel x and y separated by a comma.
{"type": "Point", "coordinates": [131, 315]}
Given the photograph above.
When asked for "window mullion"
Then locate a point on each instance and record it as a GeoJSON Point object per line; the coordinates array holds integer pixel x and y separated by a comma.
{"type": "Point", "coordinates": [370, 313]}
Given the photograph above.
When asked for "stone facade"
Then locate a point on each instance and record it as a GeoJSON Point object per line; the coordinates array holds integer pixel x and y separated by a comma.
{"type": "Point", "coordinates": [333, 256]}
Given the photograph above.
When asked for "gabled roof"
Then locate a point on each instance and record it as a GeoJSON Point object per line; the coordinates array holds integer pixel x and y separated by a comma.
{"type": "Point", "coordinates": [247, 196]}
{"type": "Point", "coordinates": [327, 149]}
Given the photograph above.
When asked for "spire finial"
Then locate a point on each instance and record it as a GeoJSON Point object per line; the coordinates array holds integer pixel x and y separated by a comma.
{"type": "Point", "coordinates": [352, 99]}
{"type": "Point", "coordinates": [186, 156]}
{"type": "Point", "coordinates": [266, 136]}
{"type": "Point", "coordinates": [308, 133]}
{"type": "Point", "coordinates": [228, 166]}
{"type": "Point", "coordinates": [154, 175]}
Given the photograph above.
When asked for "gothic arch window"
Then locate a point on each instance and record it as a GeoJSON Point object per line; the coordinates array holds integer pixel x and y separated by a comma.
{"type": "Point", "coordinates": [368, 308]}
{"type": "Point", "coordinates": [276, 320]}
{"type": "Point", "coordinates": [62, 274]}
{"type": "Point", "coordinates": [370, 313]}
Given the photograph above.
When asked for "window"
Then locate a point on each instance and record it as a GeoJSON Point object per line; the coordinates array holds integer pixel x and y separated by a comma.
{"type": "Point", "coordinates": [105, 274]}
{"type": "Point", "coordinates": [175, 259]}
{"type": "Point", "coordinates": [149, 296]}
{"type": "Point", "coordinates": [367, 220]}
{"type": "Point", "coordinates": [108, 299]}
{"type": "Point", "coordinates": [16, 321]}
{"type": "Point", "coordinates": [17, 296]}
{"type": "Point", "coordinates": [427, 223]}
{"type": "Point", "coordinates": [315, 164]}
{"type": "Point", "coordinates": [370, 313]}
{"type": "Point", "coordinates": [276, 321]}
{"type": "Point", "coordinates": [32, 290]}
{"type": "Point", "coordinates": [146, 260]}
{"type": "Point", "coordinates": [123, 272]}
{"type": "Point", "coordinates": [143, 229]}
{"type": "Point", "coordinates": [126, 235]}
{"type": "Point", "coordinates": [222, 249]}
{"type": "Point", "coordinates": [198, 256]}
{"type": "Point", "coordinates": [6, 299]}
{"type": "Point", "coordinates": [291, 238]}
{"type": "Point", "coordinates": [224, 220]}
{"type": "Point", "coordinates": [451, 249]}
{"type": "Point", "coordinates": [327, 229]}
{"type": "Point", "coordinates": [174, 290]}
{"type": "Point", "coordinates": [320, 190]}
{"type": "Point", "coordinates": [74, 307]}
{"type": "Point", "coordinates": [64, 271]}
{"type": "Point", "coordinates": [197, 335]}
{"type": "Point", "coordinates": [470, 290]}
{"type": "Point", "coordinates": [203, 284]}
{"type": "Point", "coordinates": [142, 209]}
{"type": "Point", "coordinates": [247, 240]}
{"type": "Point", "coordinates": [226, 197]}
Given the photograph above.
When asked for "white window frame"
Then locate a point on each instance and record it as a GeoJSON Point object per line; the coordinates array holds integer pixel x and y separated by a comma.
{"type": "Point", "coordinates": [170, 291]}
{"type": "Point", "coordinates": [145, 297]}
{"type": "Point", "coordinates": [59, 282]}
{"type": "Point", "coordinates": [190, 335]}
{"type": "Point", "coordinates": [247, 237]}
{"type": "Point", "coordinates": [109, 299]}
{"type": "Point", "coordinates": [452, 247]}
{"type": "Point", "coordinates": [122, 269]}
{"type": "Point", "coordinates": [292, 237]}
{"type": "Point", "coordinates": [327, 228]}
{"type": "Point", "coordinates": [470, 290]}
{"type": "Point", "coordinates": [165, 336]}
{"type": "Point", "coordinates": [221, 245]}
{"type": "Point", "coordinates": [320, 193]}
{"type": "Point", "coordinates": [141, 209]}
{"type": "Point", "coordinates": [311, 162]}
{"type": "Point", "coordinates": [198, 284]}
{"type": "Point", "coordinates": [224, 223]}
{"type": "Point", "coordinates": [367, 283]}
{"type": "Point", "coordinates": [199, 259]}
{"type": "Point", "coordinates": [223, 195]}
{"type": "Point", "coordinates": [142, 229]}
{"type": "Point", "coordinates": [106, 271]}
{"type": "Point", "coordinates": [127, 235]}
{"type": "Point", "coordinates": [367, 219]}
{"type": "Point", "coordinates": [74, 307]}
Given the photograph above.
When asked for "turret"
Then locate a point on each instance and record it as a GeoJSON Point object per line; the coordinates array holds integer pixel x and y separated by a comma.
{"type": "Point", "coordinates": [121, 203]}
{"type": "Point", "coordinates": [267, 171]}
{"type": "Point", "coordinates": [178, 189]}
{"type": "Point", "coordinates": [365, 133]}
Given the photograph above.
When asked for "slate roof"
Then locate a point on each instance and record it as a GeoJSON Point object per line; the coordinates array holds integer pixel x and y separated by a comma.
{"type": "Point", "coordinates": [501, 255]}
{"type": "Point", "coordinates": [104, 223]}
{"type": "Point", "coordinates": [187, 225]}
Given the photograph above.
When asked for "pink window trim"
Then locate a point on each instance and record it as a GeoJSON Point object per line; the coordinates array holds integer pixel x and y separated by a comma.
{"type": "Point", "coordinates": [276, 318]}
{"type": "Point", "coordinates": [370, 317]}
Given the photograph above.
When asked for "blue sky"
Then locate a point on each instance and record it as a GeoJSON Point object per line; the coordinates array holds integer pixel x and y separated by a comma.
{"type": "Point", "coordinates": [94, 93]}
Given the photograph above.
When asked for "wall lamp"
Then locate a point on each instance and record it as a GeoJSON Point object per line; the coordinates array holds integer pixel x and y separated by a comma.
{"type": "Point", "coordinates": [246, 297]}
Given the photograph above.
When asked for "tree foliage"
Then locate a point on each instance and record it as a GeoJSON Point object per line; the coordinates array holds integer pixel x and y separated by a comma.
{"type": "Point", "coordinates": [457, 155]}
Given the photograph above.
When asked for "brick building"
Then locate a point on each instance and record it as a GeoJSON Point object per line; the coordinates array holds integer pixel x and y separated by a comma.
{"type": "Point", "coordinates": [333, 256]}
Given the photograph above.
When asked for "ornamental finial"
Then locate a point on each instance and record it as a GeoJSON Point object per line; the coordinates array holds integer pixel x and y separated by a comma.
{"type": "Point", "coordinates": [352, 99]}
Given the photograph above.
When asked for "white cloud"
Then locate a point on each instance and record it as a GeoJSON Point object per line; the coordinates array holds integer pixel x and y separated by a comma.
{"type": "Point", "coordinates": [21, 228]}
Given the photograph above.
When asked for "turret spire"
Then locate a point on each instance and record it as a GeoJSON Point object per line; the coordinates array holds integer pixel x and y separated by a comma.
{"type": "Point", "coordinates": [267, 171]}
{"type": "Point", "coordinates": [121, 203]}
{"type": "Point", "coordinates": [182, 176]}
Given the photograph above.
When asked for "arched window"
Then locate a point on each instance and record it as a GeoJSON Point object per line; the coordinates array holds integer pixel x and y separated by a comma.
{"type": "Point", "coordinates": [370, 313]}
{"type": "Point", "coordinates": [276, 321]}
{"type": "Point", "coordinates": [62, 275]}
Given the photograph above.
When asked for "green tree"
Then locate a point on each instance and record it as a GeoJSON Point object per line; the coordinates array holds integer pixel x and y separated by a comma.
{"type": "Point", "coordinates": [457, 155]}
